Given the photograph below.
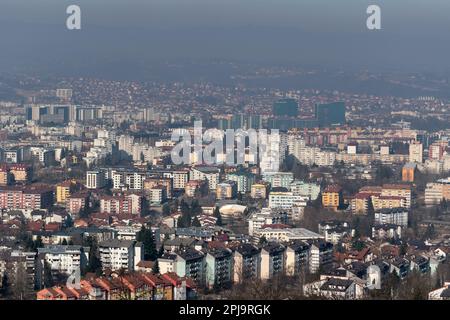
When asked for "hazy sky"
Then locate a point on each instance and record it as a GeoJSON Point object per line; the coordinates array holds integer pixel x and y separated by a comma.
{"type": "Point", "coordinates": [415, 34]}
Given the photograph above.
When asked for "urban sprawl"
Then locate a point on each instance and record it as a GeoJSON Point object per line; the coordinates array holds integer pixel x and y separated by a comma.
{"type": "Point", "coordinates": [93, 207]}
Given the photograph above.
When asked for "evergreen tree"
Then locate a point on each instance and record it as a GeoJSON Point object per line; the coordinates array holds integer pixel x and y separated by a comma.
{"type": "Point", "coordinates": [69, 221]}
{"type": "Point", "coordinates": [140, 234]}
{"type": "Point", "coordinates": [5, 289]}
{"type": "Point", "coordinates": [156, 267]}
{"type": "Point", "coordinates": [161, 251]}
{"type": "Point", "coordinates": [166, 209]}
{"type": "Point", "coordinates": [29, 243]}
{"type": "Point", "coordinates": [403, 248]}
{"type": "Point", "coordinates": [262, 240]}
{"type": "Point", "coordinates": [94, 263]}
{"type": "Point", "coordinates": [218, 216]}
{"type": "Point", "coordinates": [184, 221]}
{"type": "Point", "coordinates": [38, 243]}
{"type": "Point", "coordinates": [48, 276]}
{"type": "Point", "coordinates": [196, 222]}
{"type": "Point", "coordinates": [64, 242]}
{"type": "Point", "coordinates": [148, 240]}
{"type": "Point", "coordinates": [196, 209]}
{"type": "Point", "coordinates": [184, 207]}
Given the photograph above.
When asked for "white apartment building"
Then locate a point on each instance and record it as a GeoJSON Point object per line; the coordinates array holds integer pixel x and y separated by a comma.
{"type": "Point", "coordinates": [157, 195]}
{"type": "Point", "coordinates": [266, 216]}
{"type": "Point", "coordinates": [396, 216]}
{"type": "Point", "coordinates": [312, 155]}
{"type": "Point", "coordinates": [297, 257]}
{"type": "Point", "coordinates": [120, 254]}
{"type": "Point", "coordinates": [244, 181]}
{"type": "Point", "coordinates": [436, 192]}
{"type": "Point", "coordinates": [416, 152]}
{"type": "Point", "coordinates": [286, 200]}
{"type": "Point", "coordinates": [433, 193]}
{"type": "Point", "coordinates": [180, 178]}
{"type": "Point", "coordinates": [211, 174]}
{"type": "Point", "coordinates": [95, 179]}
{"type": "Point", "coordinates": [279, 179]}
{"type": "Point", "coordinates": [286, 234]}
{"type": "Point", "coordinates": [127, 180]}
{"type": "Point", "coordinates": [304, 189]}
{"type": "Point", "coordinates": [321, 254]}
{"type": "Point", "coordinates": [64, 259]}
{"type": "Point", "coordinates": [272, 260]}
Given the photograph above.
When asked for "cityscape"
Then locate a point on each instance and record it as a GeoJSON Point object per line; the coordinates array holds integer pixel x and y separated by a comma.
{"type": "Point", "coordinates": [267, 181]}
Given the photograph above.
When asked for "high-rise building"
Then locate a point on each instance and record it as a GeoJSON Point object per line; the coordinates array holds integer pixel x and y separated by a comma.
{"type": "Point", "coordinates": [240, 121]}
{"type": "Point", "coordinates": [416, 152]}
{"type": "Point", "coordinates": [285, 107]}
{"type": "Point", "coordinates": [50, 113]}
{"type": "Point", "coordinates": [95, 179]}
{"type": "Point", "coordinates": [65, 94]}
{"type": "Point", "coordinates": [330, 114]}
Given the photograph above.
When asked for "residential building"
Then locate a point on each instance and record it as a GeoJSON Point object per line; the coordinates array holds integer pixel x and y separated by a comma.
{"type": "Point", "coordinates": [416, 152]}
{"type": "Point", "coordinates": [321, 255]}
{"type": "Point", "coordinates": [442, 293]}
{"type": "Point", "coordinates": [259, 191]}
{"type": "Point", "coordinates": [408, 172]}
{"type": "Point", "coordinates": [95, 179]}
{"type": "Point", "coordinates": [297, 257]}
{"type": "Point", "coordinates": [279, 179]}
{"type": "Point", "coordinates": [219, 263]}
{"type": "Point", "coordinates": [192, 264]}
{"type": "Point", "coordinates": [246, 262]}
{"type": "Point", "coordinates": [35, 196]}
{"type": "Point", "coordinates": [286, 200]}
{"type": "Point", "coordinates": [226, 190]}
{"type": "Point", "coordinates": [244, 181]}
{"type": "Point", "coordinates": [396, 216]}
{"type": "Point", "coordinates": [272, 260]}
{"type": "Point", "coordinates": [120, 254]}
{"type": "Point", "coordinates": [332, 197]}
{"type": "Point", "coordinates": [62, 260]}
{"type": "Point", "coordinates": [122, 204]}
{"type": "Point", "coordinates": [210, 174]}
{"type": "Point", "coordinates": [304, 189]}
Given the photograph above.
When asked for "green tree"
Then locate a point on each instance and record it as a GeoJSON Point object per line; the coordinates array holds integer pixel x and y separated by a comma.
{"type": "Point", "coordinates": [196, 209]}
{"type": "Point", "coordinates": [69, 221]}
{"type": "Point", "coordinates": [155, 268]}
{"type": "Point", "coordinates": [196, 222]}
{"type": "Point", "coordinates": [262, 240]}
{"type": "Point", "coordinates": [148, 240]}
{"type": "Point", "coordinates": [218, 215]}
{"type": "Point", "coordinates": [403, 248]}
{"type": "Point", "coordinates": [94, 263]}
{"type": "Point", "coordinates": [64, 242]}
{"type": "Point", "coordinates": [161, 251]}
{"type": "Point", "coordinates": [48, 276]}
{"type": "Point", "coordinates": [5, 289]}
{"type": "Point", "coordinates": [166, 209]}
{"type": "Point", "coordinates": [358, 245]}
{"type": "Point", "coordinates": [38, 243]}
{"type": "Point", "coordinates": [184, 207]}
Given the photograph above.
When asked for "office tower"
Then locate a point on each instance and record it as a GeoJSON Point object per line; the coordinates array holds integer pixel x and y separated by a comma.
{"type": "Point", "coordinates": [285, 107]}
{"type": "Point", "coordinates": [330, 114]}
{"type": "Point", "coordinates": [240, 121]}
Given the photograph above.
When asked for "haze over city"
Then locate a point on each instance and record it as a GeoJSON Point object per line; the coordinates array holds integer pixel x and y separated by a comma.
{"type": "Point", "coordinates": [211, 151]}
{"type": "Point", "coordinates": [118, 35]}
